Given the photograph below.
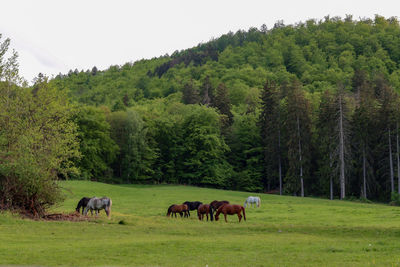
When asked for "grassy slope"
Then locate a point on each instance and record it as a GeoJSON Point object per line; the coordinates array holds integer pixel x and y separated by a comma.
{"type": "Point", "coordinates": [285, 231]}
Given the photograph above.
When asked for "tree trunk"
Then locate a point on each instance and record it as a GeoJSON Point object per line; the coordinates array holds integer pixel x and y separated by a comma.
{"type": "Point", "coordinates": [330, 177]}
{"type": "Point", "coordinates": [398, 157]}
{"type": "Point", "coordinates": [300, 158]}
{"type": "Point", "coordinates": [341, 151]}
{"type": "Point", "coordinates": [279, 160]}
{"type": "Point", "coordinates": [364, 193]}
{"type": "Point", "coordinates": [391, 164]}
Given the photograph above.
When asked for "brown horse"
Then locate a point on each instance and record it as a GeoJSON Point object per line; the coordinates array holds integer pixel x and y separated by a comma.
{"type": "Point", "coordinates": [204, 209]}
{"type": "Point", "coordinates": [230, 210]}
{"type": "Point", "coordinates": [216, 204]}
{"type": "Point", "coordinates": [183, 208]}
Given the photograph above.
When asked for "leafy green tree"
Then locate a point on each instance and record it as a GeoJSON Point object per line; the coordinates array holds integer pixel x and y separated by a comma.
{"type": "Point", "coordinates": [133, 164]}
{"type": "Point", "coordinates": [38, 142]}
{"type": "Point", "coordinates": [246, 153]}
{"type": "Point", "coordinates": [203, 157]}
{"type": "Point", "coordinates": [96, 146]}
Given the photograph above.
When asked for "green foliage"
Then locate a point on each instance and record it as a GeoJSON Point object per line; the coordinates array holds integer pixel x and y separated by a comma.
{"type": "Point", "coordinates": [96, 146]}
{"type": "Point", "coordinates": [203, 149]}
{"type": "Point", "coordinates": [133, 163]}
{"type": "Point", "coordinates": [38, 144]}
{"type": "Point", "coordinates": [395, 199]}
{"type": "Point", "coordinates": [318, 53]}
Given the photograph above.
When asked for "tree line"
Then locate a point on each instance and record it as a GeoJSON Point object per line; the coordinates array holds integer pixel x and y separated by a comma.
{"type": "Point", "coordinates": [309, 109]}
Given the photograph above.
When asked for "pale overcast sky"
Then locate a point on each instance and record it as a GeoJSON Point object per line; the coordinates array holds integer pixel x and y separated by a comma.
{"type": "Point", "coordinates": [53, 36]}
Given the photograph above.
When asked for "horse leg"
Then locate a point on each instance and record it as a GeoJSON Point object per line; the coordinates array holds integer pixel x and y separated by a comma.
{"type": "Point", "coordinates": [239, 216]}
{"type": "Point", "coordinates": [207, 216]}
{"type": "Point", "coordinates": [225, 217]}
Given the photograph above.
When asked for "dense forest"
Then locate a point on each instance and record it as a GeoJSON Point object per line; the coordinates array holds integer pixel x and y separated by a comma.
{"type": "Point", "coordinates": [310, 109]}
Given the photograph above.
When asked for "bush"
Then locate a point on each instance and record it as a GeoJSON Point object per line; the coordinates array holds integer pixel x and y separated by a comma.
{"type": "Point", "coordinates": [395, 199]}
{"type": "Point", "coordinates": [37, 142]}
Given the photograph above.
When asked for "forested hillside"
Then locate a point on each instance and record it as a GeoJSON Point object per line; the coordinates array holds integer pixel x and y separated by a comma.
{"type": "Point", "coordinates": [305, 109]}
{"type": "Point", "coordinates": [310, 109]}
{"type": "Point", "coordinates": [318, 53]}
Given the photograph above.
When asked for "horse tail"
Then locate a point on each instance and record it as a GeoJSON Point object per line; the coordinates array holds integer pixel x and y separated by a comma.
{"type": "Point", "coordinates": [259, 202]}
{"type": "Point", "coordinates": [210, 211]}
{"type": "Point", "coordinates": [244, 213]}
{"type": "Point", "coordinates": [245, 203]}
{"type": "Point", "coordinates": [109, 208]}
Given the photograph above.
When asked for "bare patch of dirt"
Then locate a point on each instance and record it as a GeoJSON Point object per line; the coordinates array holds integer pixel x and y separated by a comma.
{"type": "Point", "coordinates": [73, 217]}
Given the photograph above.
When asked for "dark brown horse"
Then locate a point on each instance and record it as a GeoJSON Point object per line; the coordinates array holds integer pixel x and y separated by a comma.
{"type": "Point", "coordinates": [204, 209]}
{"type": "Point", "coordinates": [216, 204]}
{"type": "Point", "coordinates": [230, 210]}
{"type": "Point", "coordinates": [181, 209]}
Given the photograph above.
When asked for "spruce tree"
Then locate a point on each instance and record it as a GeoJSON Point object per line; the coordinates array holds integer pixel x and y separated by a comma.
{"type": "Point", "coordinates": [270, 126]}
{"type": "Point", "coordinates": [223, 105]}
{"type": "Point", "coordinates": [298, 127]}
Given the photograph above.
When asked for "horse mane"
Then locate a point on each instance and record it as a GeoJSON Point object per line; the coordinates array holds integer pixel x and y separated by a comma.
{"type": "Point", "coordinates": [170, 209]}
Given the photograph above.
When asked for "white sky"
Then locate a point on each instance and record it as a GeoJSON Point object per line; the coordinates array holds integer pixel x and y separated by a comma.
{"type": "Point", "coordinates": [53, 36]}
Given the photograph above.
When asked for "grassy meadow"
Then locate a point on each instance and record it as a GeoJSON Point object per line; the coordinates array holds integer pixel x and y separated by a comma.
{"type": "Point", "coordinates": [284, 231]}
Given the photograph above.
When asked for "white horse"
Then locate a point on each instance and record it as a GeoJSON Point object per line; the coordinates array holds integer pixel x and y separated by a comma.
{"type": "Point", "coordinates": [252, 200]}
{"type": "Point", "coordinates": [97, 204]}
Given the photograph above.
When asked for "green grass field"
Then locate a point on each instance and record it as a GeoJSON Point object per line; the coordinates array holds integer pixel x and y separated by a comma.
{"type": "Point", "coordinates": [284, 231]}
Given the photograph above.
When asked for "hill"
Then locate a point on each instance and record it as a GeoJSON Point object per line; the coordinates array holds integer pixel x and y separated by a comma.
{"type": "Point", "coordinates": [283, 231]}
{"type": "Point", "coordinates": [319, 53]}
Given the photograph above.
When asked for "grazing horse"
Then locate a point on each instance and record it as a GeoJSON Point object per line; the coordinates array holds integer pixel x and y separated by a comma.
{"type": "Point", "coordinates": [183, 208]}
{"type": "Point", "coordinates": [204, 209]}
{"type": "Point", "coordinates": [192, 205]}
{"type": "Point", "coordinates": [82, 204]}
{"type": "Point", "coordinates": [230, 210]}
{"type": "Point", "coordinates": [252, 200]}
{"type": "Point", "coordinates": [216, 204]}
{"type": "Point", "coordinates": [97, 204]}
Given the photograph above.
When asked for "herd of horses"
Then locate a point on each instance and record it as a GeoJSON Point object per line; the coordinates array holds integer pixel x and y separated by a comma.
{"type": "Point", "coordinates": [216, 206]}
{"type": "Point", "coordinates": [96, 204]}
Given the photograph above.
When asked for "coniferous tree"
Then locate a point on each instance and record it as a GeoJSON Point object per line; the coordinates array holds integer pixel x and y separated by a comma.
{"type": "Point", "coordinates": [298, 127]}
{"type": "Point", "coordinates": [325, 128]}
{"type": "Point", "coordinates": [343, 148]}
{"type": "Point", "coordinates": [223, 105]}
{"type": "Point", "coordinates": [364, 129]}
{"type": "Point", "coordinates": [190, 94]}
{"type": "Point", "coordinates": [387, 101]}
{"type": "Point", "coordinates": [270, 126]}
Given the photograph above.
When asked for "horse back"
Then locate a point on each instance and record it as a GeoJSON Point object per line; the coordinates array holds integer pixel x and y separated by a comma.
{"type": "Point", "coordinates": [231, 209]}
